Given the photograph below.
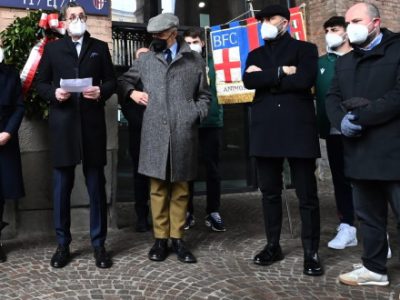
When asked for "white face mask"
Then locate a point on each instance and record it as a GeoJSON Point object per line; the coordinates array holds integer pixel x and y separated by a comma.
{"type": "Point", "coordinates": [358, 33]}
{"type": "Point", "coordinates": [333, 40]}
{"type": "Point", "coordinates": [269, 31]}
{"type": "Point", "coordinates": [1, 55]}
{"type": "Point", "coordinates": [77, 28]}
{"type": "Point", "coordinates": [196, 47]}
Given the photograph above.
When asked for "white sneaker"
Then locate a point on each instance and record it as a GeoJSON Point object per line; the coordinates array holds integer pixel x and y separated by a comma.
{"type": "Point", "coordinates": [389, 253]}
{"type": "Point", "coordinates": [363, 276]}
{"type": "Point", "coordinates": [346, 237]}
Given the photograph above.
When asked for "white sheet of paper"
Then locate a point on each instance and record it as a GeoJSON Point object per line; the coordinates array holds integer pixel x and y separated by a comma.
{"type": "Point", "coordinates": [77, 85]}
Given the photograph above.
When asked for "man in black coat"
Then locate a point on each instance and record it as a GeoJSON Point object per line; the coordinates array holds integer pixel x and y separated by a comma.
{"type": "Point", "coordinates": [283, 125]}
{"type": "Point", "coordinates": [133, 112]}
{"type": "Point", "coordinates": [363, 102]}
{"type": "Point", "coordinates": [77, 127]}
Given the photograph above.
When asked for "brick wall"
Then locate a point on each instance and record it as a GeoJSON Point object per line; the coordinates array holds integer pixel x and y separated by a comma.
{"type": "Point", "coordinates": [318, 11]}
{"type": "Point", "coordinates": [98, 26]}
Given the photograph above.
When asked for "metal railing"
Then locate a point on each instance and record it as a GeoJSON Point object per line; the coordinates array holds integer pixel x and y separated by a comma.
{"type": "Point", "coordinates": [127, 38]}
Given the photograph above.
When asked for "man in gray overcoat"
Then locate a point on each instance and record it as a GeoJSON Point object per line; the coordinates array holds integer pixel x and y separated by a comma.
{"type": "Point", "coordinates": [171, 82]}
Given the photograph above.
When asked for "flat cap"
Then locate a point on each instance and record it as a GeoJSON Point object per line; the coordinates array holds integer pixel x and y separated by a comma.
{"type": "Point", "coordinates": [162, 22]}
{"type": "Point", "coordinates": [273, 10]}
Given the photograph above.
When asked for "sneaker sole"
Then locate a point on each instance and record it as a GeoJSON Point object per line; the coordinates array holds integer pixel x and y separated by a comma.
{"type": "Point", "coordinates": [352, 244]}
{"type": "Point", "coordinates": [355, 283]}
{"type": "Point", "coordinates": [209, 225]}
{"type": "Point", "coordinates": [190, 226]}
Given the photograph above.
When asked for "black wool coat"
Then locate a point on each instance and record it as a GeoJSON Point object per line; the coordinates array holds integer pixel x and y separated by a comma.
{"type": "Point", "coordinates": [374, 75]}
{"type": "Point", "coordinates": [77, 126]}
{"type": "Point", "coordinates": [11, 114]}
{"type": "Point", "coordinates": [283, 119]}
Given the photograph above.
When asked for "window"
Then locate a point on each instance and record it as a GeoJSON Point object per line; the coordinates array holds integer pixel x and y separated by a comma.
{"type": "Point", "coordinates": [128, 11]}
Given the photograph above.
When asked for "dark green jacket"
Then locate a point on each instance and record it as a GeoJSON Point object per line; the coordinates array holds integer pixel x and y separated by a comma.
{"type": "Point", "coordinates": [326, 70]}
{"type": "Point", "coordinates": [215, 116]}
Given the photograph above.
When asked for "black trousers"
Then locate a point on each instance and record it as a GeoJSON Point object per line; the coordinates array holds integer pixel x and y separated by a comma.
{"type": "Point", "coordinates": [341, 184]}
{"type": "Point", "coordinates": [209, 150]}
{"type": "Point", "coordinates": [141, 182]}
{"type": "Point", "coordinates": [371, 200]}
{"type": "Point", "coordinates": [270, 183]}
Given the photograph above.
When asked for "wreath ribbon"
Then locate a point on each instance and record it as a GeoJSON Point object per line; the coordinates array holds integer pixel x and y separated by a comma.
{"type": "Point", "coordinates": [31, 65]}
{"type": "Point", "coordinates": [47, 21]}
{"type": "Point", "coordinates": [51, 21]}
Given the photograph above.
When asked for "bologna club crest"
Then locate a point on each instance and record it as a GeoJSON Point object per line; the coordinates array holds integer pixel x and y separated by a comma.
{"type": "Point", "coordinates": [99, 4]}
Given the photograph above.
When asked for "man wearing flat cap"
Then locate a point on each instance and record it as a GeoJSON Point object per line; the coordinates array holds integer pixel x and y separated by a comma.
{"type": "Point", "coordinates": [283, 125]}
{"type": "Point", "coordinates": [173, 88]}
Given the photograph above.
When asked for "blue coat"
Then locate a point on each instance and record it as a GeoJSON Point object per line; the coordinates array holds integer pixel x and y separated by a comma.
{"type": "Point", "coordinates": [11, 114]}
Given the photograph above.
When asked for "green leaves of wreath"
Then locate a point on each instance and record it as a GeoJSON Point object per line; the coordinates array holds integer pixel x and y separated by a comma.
{"type": "Point", "coordinates": [17, 41]}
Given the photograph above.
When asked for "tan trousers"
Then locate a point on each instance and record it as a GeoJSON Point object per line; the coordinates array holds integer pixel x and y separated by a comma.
{"type": "Point", "coordinates": [169, 201]}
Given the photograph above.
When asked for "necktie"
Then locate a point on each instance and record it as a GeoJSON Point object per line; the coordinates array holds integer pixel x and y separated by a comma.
{"type": "Point", "coordinates": [76, 44]}
{"type": "Point", "coordinates": [168, 56]}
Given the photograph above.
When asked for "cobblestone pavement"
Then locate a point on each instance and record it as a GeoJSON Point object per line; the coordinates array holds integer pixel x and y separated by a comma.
{"type": "Point", "coordinates": [225, 269]}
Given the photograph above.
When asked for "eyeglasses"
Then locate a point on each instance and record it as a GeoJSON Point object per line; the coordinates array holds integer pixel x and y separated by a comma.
{"type": "Point", "coordinates": [74, 18]}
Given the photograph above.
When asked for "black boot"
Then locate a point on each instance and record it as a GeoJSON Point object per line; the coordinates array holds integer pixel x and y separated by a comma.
{"type": "Point", "coordinates": [312, 264]}
{"type": "Point", "coordinates": [269, 255]}
{"type": "Point", "coordinates": [3, 256]}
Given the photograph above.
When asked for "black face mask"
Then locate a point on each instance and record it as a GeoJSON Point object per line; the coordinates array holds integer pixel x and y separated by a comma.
{"type": "Point", "coordinates": [159, 44]}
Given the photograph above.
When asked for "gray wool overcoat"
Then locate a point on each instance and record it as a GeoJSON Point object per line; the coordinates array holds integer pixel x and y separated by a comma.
{"type": "Point", "coordinates": [178, 100]}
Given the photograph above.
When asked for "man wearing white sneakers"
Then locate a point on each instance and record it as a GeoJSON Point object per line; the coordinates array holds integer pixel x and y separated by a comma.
{"type": "Point", "coordinates": [363, 101]}
{"type": "Point", "coordinates": [337, 44]}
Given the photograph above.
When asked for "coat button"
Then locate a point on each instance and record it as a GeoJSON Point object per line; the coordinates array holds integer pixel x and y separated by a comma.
{"type": "Point", "coordinates": [279, 105]}
{"type": "Point", "coordinates": [165, 122]}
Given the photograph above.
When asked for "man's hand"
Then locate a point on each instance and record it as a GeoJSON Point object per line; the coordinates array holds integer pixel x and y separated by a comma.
{"type": "Point", "coordinates": [348, 128]}
{"type": "Point", "coordinates": [62, 95]}
{"type": "Point", "coordinates": [92, 92]}
{"type": "Point", "coordinates": [140, 98]}
{"type": "Point", "coordinates": [289, 70]}
{"type": "Point", "coordinates": [253, 68]}
{"type": "Point", "coordinates": [4, 138]}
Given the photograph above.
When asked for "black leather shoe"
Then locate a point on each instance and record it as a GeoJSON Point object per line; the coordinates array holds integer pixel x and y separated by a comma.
{"type": "Point", "coordinates": [268, 255]}
{"type": "Point", "coordinates": [183, 253]}
{"type": "Point", "coordinates": [312, 265]}
{"type": "Point", "coordinates": [159, 251]}
{"type": "Point", "coordinates": [3, 256]}
{"type": "Point", "coordinates": [61, 257]}
{"type": "Point", "coordinates": [103, 259]}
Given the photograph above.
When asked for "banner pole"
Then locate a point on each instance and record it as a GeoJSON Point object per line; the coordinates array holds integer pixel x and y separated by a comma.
{"type": "Point", "coordinates": [206, 29]}
{"type": "Point", "coordinates": [251, 9]}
